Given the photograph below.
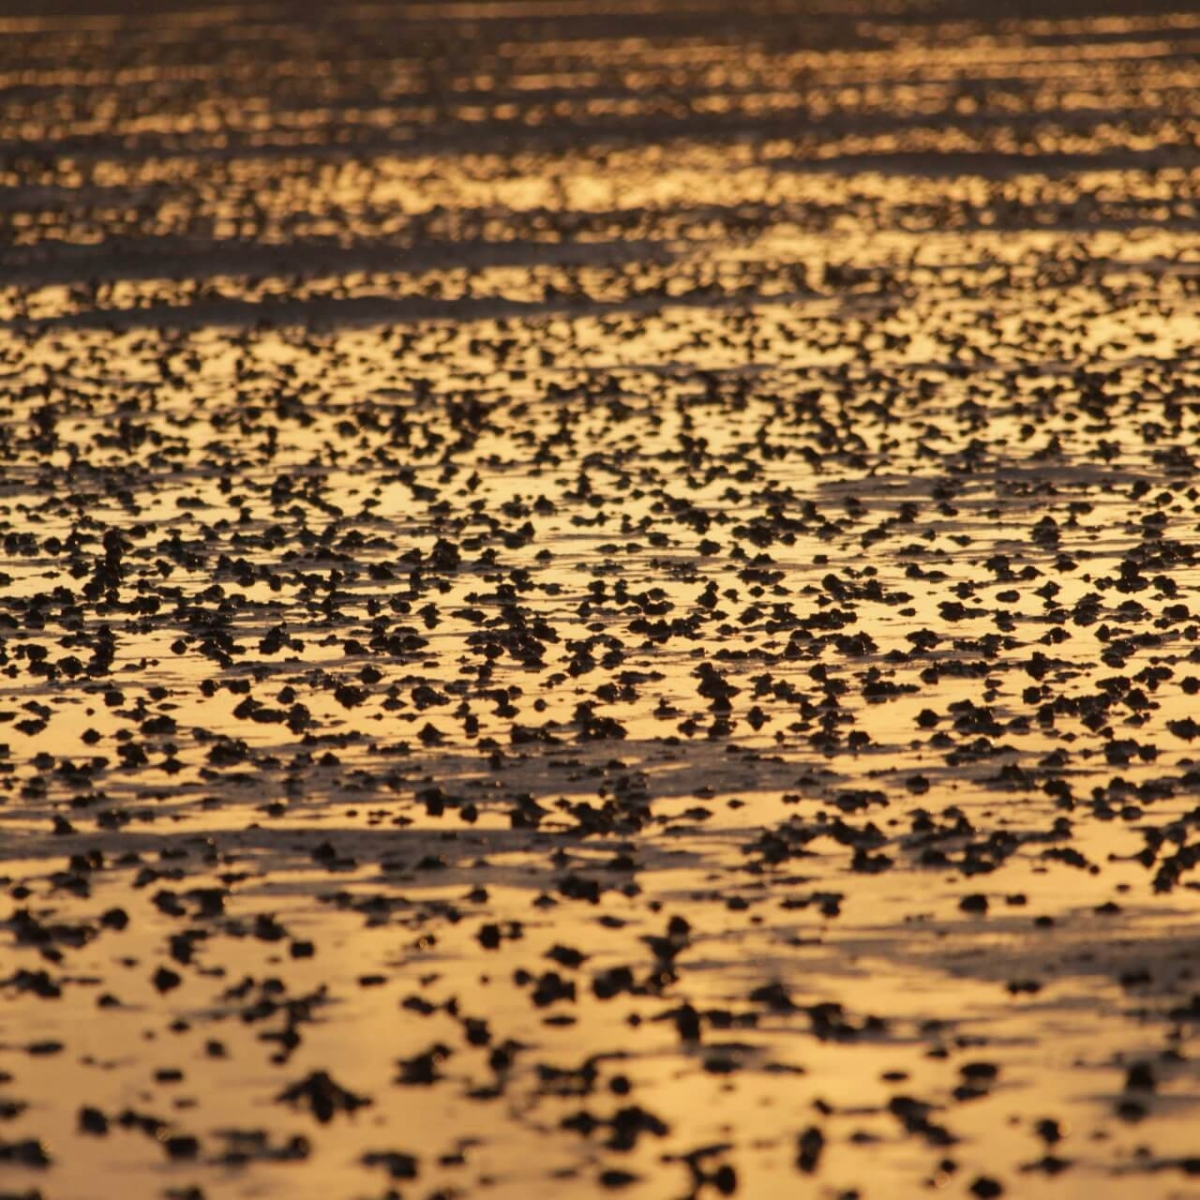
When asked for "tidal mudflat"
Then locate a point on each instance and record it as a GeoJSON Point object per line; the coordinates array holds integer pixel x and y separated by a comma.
{"type": "Point", "coordinates": [599, 597]}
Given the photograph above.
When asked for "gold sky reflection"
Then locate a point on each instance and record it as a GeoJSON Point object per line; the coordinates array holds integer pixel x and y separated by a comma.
{"type": "Point", "coordinates": [599, 598]}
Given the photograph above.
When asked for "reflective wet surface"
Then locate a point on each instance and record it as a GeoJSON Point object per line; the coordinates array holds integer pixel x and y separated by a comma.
{"type": "Point", "coordinates": [598, 598]}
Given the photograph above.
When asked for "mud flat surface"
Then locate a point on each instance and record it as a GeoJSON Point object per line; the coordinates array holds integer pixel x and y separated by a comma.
{"type": "Point", "coordinates": [599, 598]}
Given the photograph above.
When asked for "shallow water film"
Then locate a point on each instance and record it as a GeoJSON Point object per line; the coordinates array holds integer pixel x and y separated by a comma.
{"type": "Point", "coordinates": [599, 598]}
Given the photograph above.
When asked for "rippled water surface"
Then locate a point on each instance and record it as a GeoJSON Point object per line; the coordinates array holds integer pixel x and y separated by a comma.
{"type": "Point", "coordinates": [599, 596]}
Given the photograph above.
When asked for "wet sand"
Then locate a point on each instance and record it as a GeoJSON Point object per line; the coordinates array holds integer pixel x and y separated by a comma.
{"type": "Point", "coordinates": [599, 597]}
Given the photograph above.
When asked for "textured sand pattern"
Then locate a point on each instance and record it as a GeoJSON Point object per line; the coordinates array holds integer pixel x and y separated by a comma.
{"type": "Point", "coordinates": [599, 597]}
